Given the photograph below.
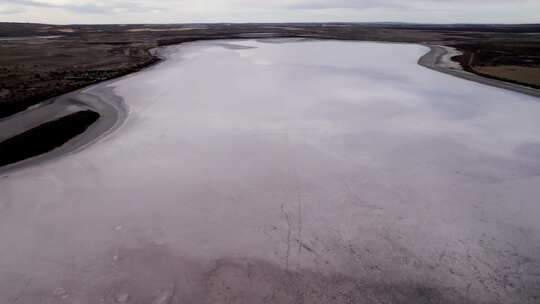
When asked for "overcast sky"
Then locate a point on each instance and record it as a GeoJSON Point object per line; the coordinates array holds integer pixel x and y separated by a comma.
{"type": "Point", "coordinates": [185, 11]}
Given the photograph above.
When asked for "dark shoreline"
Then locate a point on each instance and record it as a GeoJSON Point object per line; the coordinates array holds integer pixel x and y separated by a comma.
{"type": "Point", "coordinates": [434, 60]}
{"type": "Point", "coordinates": [9, 109]}
{"type": "Point", "coordinates": [110, 109]}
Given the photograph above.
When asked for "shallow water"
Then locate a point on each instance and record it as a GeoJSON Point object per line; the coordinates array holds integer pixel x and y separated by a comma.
{"type": "Point", "coordinates": [254, 171]}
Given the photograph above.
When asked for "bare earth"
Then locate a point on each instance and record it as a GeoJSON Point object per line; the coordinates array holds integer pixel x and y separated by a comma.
{"type": "Point", "coordinates": [527, 75]}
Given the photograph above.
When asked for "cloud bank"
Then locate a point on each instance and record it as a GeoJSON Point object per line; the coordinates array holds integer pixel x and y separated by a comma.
{"type": "Point", "coordinates": [167, 11]}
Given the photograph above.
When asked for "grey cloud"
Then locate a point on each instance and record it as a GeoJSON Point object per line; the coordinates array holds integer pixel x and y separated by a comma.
{"type": "Point", "coordinates": [10, 10]}
{"type": "Point", "coordinates": [87, 8]}
{"type": "Point", "coordinates": [107, 7]}
{"type": "Point", "coordinates": [355, 4]}
{"type": "Point", "coordinates": [170, 11]}
{"type": "Point", "coordinates": [366, 4]}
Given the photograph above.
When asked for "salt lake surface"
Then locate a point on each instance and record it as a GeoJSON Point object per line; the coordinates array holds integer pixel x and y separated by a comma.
{"type": "Point", "coordinates": [307, 171]}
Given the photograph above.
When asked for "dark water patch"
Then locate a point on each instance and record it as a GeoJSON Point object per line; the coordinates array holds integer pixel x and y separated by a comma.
{"type": "Point", "coordinates": [45, 137]}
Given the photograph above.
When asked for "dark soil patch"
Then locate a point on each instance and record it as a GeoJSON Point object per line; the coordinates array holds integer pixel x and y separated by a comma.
{"type": "Point", "coordinates": [45, 137]}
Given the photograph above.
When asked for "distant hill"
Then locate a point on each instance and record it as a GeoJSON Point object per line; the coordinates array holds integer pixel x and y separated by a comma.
{"type": "Point", "coordinates": [11, 29]}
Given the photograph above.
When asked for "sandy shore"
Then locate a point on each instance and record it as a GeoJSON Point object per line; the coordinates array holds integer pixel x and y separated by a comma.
{"type": "Point", "coordinates": [439, 58]}
{"type": "Point", "coordinates": [111, 108]}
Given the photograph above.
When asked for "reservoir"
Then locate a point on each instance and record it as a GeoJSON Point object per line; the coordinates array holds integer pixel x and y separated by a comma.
{"type": "Point", "coordinates": [286, 171]}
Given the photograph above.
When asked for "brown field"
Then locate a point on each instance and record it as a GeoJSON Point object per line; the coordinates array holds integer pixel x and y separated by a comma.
{"type": "Point", "coordinates": [526, 75]}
